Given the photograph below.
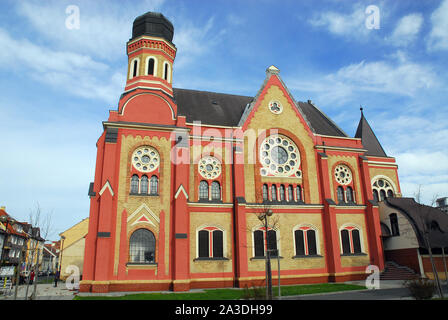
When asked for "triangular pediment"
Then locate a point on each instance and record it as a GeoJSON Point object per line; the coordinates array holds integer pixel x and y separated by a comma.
{"type": "Point", "coordinates": [107, 186]}
{"type": "Point", "coordinates": [273, 79]}
{"type": "Point", "coordinates": [143, 214]}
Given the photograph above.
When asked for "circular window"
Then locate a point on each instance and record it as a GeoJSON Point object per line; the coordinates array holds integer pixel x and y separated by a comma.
{"type": "Point", "coordinates": [209, 167]}
{"type": "Point", "coordinates": [280, 156]}
{"type": "Point", "coordinates": [145, 159]}
{"type": "Point", "coordinates": [343, 174]}
{"type": "Point", "coordinates": [275, 107]}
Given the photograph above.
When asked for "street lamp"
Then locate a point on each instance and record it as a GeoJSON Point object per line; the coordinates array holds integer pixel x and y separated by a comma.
{"type": "Point", "coordinates": [9, 221]}
{"type": "Point", "coordinates": [264, 216]}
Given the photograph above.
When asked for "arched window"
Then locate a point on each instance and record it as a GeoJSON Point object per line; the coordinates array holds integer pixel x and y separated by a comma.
{"type": "Point", "coordinates": [134, 184]}
{"type": "Point", "coordinates": [290, 193]}
{"type": "Point", "coordinates": [394, 224]}
{"type": "Point", "coordinates": [165, 72]}
{"type": "Point", "coordinates": [390, 193]}
{"type": "Point", "coordinates": [340, 192]}
{"type": "Point", "coordinates": [375, 195]}
{"type": "Point", "coordinates": [134, 68]}
{"type": "Point", "coordinates": [151, 66]}
{"type": "Point", "coordinates": [274, 192]}
{"type": "Point", "coordinates": [154, 185]}
{"type": "Point", "coordinates": [265, 192]}
{"type": "Point", "coordinates": [216, 191]}
{"type": "Point", "coordinates": [142, 246]}
{"type": "Point", "coordinates": [299, 193]}
{"type": "Point", "coordinates": [210, 243]}
{"type": "Point", "coordinates": [382, 195]}
{"type": "Point", "coordinates": [349, 194]}
{"type": "Point", "coordinates": [260, 245]}
{"type": "Point", "coordinates": [282, 192]}
{"type": "Point", "coordinates": [305, 241]}
{"type": "Point", "coordinates": [203, 190]}
{"type": "Point", "coordinates": [351, 240]}
{"type": "Point", "coordinates": [144, 185]}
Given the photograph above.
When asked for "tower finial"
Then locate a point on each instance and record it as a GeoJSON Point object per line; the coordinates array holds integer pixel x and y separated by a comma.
{"type": "Point", "coordinates": [361, 108]}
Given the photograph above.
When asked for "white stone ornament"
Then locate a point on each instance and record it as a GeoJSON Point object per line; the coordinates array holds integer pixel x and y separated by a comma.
{"type": "Point", "coordinates": [209, 167]}
{"type": "Point", "coordinates": [343, 174]}
{"type": "Point", "coordinates": [145, 159]}
{"type": "Point", "coordinates": [275, 107]}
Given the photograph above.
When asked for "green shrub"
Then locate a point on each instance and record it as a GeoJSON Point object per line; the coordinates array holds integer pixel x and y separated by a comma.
{"type": "Point", "coordinates": [421, 289]}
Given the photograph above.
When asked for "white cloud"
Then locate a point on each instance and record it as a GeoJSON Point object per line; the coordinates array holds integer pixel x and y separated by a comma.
{"type": "Point", "coordinates": [351, 25]}
{"type": "Point", "coordinates": [406, 30]}
{"type": "Point", "coordinates": [75, 73]}
{"type": "Point", "coordinates": [438, 37]}
{"type": "Point", "coordinates": [394, 75]}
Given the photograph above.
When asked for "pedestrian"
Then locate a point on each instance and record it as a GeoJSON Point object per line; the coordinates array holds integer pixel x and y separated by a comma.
{"type": "Point", "coordinates": [56, 278]}
{"type": "Point", "coordinates": [32, 277]}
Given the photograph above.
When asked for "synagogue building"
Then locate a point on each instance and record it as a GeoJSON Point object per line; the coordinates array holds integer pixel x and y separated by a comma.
{"type": "Point", "coordinates": [194, 189]}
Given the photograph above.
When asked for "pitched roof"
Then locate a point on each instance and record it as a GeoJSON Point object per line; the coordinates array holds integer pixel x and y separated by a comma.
{"type": "Point", "coordinates": [369, 139]}
{"type": "Point", "coordinates": [420, 214]}
{"type": "Point", "coordinates": [227, 109]}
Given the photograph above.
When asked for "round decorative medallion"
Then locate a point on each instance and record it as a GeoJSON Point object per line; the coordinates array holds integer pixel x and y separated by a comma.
{"type": "Point", "coordinates": [275, 107]}
{"type": "Point", "coordinates": [280, 157]}
{"type": "Point", "coordinates": [343, 174]}
{"type": "Point", "coordinates": [145, 159]}
{"type": "Point", "coordinates": [209, 167]}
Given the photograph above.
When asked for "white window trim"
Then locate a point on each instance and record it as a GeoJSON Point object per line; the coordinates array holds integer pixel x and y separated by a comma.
{"type": "Point", "coordinates": [224, 238]}
{"type": "Point", "coordinates": [260, 227]}
{"type": "Point", "coordinates": [361, 236]}
{"type": "Point", "coordinates": [168, 77]}
{"type": "Point", "coordinates": [311, 226]}
{"type": "Point", "coordinates": [155, 65]}
{"type": "Point", "coordinates": [131, 68]}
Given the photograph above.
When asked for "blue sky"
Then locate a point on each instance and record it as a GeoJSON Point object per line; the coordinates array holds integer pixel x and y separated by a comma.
{"type": "Point", "coordinates": [58, 83]}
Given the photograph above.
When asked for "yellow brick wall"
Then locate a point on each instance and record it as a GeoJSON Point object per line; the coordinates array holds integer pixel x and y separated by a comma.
{"type": "Point", "coordinates": [155, 203]}
{"type": "Point", "coordinates": [73, 255]}
{"type": "Point", "coordinates": [264, 119]}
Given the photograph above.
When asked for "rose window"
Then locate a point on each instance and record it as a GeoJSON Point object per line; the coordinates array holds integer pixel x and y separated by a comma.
{"type": "Point", "coordinates": [146, 159]}
{"type": "Point", "coordinates": [280, 156]}
{"type": "Point", "coordinates": [209, 167]}
{"type": "Point", "coordinates": [343, 174]}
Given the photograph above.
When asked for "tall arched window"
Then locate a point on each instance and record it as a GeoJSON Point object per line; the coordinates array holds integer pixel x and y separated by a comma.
{"type": "Point", "coordinates": [165, 72]}
{"type": "Point", "coordinates": [390, 193]}
{"type": "Point", "coordinates": [134, 184]}
{"type": "Point", "coordinates": [349, 194]}
{"type": "Point", "coordinates": [260, 244]}
{"type": "Point", "coordinates": [382, 187]}
{"type": "Point", "coordinates": [144, 185]}
{"type": "Point", "coordinates": [299, 193]}
{"type": "Point", "coordinates": [216, 191]}
{"type": "Point", "coordinates": [394, 224]}
{"type": "Point", "coordinates": [351, 240]}
{"type": "Point", "coordinates": [151, 66]}
{"type": "Point", "coordinates": [305, 241]}
{"type": "Point", "coordinates": [265, 192]}
{"type": "Point", "coordinates": [154, 185]}
{"type": "Point", "coordinates": [210, 243]}
{"type": "Point", "coordinates": [134, 68]}
{"type": "Point", "coordinates": [290, 193]}
{"type": "Point", "coordinates": [382, 195]}
{"type": "Point", "coordinates": [142, 246]}
{"type": "Point", "coordinates": [340, 192]}
{"type": "Point", "coordinates": [282, 192]}
{"type": "Point", "coordinates": [203, 190]}
{"type": "Point", "coordinates": [375, 195]}
{"type": "Point", "coordinates": [274, 192]}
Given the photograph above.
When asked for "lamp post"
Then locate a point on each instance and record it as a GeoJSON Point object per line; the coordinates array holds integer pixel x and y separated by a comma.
{"type": "Point", "coordinates": [264, 216]}
{"type": "Point", "coordinates": [8, 221]}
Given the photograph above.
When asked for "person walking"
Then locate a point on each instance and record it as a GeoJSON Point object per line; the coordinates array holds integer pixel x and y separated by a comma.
{"type": "Point", "coordinates": [32, 277]}
{"type": "Point", "coordinates": [56, 278]}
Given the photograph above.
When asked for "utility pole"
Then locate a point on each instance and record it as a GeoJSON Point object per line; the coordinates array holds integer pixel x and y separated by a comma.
{"type": "Point", "coordinates": [264, 216]}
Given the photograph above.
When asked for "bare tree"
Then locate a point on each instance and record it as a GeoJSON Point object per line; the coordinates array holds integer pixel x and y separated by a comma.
{"type": "Point", "coordinates": [42, 221]}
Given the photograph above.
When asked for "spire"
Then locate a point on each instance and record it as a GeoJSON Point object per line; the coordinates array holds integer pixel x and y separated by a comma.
{"type": "Point", "coordinates": [368, 138]}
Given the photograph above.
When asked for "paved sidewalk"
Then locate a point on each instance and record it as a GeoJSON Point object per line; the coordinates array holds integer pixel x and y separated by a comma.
{"type": "Point", "coordinates": [44, 292]}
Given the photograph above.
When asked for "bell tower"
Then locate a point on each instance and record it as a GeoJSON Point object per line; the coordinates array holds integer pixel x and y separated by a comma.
{"type": "Point", "coordinates": [151, 54]}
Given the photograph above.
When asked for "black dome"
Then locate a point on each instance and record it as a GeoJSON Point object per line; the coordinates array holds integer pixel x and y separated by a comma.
{"type": "Point", "coordinates": [153, 24]}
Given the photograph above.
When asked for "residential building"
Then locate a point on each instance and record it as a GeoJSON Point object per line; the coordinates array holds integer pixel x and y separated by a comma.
{"type": "Point", "coordinates": [442, 204]}
{"type": "Point", "coordinates": [14, 240]}
{"type": "Point", "coordinates": [72, 247]}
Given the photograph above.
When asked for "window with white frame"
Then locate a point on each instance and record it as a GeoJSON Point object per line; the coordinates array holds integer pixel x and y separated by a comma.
{"type": "Point", "coordinates": [305, 241]}
{"type": "Point", "coordinates": [265, 241]}
{"type": "Point", "coordinates": [382, 188]}
{"type": "Point", "coordinates": [142, 246]}
{"type": "Point", "coordinates": [210, 242]}
{"type": "Point", "coordinates": [350, 240]}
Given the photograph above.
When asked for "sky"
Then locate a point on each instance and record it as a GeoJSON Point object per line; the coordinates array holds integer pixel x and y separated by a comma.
{"type": "Point", "coordinates": [63, 67]}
